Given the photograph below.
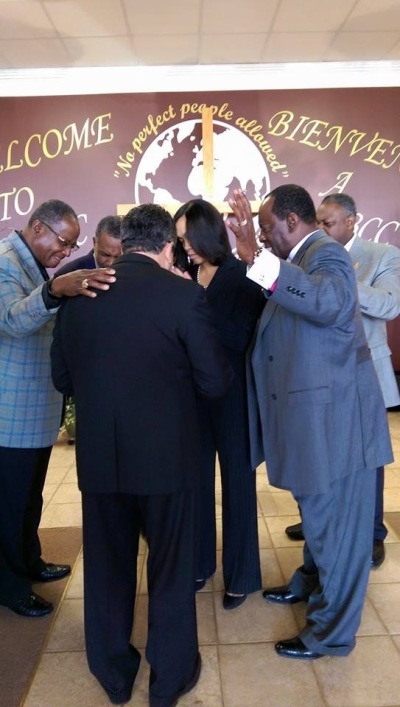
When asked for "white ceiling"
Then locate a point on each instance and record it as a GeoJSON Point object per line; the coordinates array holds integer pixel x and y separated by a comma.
{"type": "Point", "coordinates": [93, 33]}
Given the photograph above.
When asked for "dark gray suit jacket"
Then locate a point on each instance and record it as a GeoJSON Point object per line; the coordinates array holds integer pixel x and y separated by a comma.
{"type": "Point", "coordinates": [316, 408]}
{"type": "Point", "coordinates": [84, 262]}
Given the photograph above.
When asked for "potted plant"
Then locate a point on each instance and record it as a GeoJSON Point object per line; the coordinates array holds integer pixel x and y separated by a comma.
{"type": "Point", "coordinates": [69, 419]}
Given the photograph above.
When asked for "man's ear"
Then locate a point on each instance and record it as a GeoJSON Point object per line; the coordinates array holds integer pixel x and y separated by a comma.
{"type": "Point", "coordinates": [36, 227]}
{"type": "Point", "coordinates": [168, 255]}
{"type": "Point", "coordinates": [351, 221]}
{"type": "Point", "coordinates": [292, 220]}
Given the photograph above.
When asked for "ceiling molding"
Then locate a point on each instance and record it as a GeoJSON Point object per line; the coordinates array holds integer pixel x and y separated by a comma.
{"type": "Point", "coordinates": [167, 79]}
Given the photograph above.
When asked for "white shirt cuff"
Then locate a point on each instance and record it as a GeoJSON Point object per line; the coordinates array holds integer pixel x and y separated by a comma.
{"type": "Point", "coordinates": [265, 269]}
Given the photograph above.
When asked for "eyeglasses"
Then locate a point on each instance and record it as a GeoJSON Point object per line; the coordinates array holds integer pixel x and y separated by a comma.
{"type": "Point", "coordinates": [64, 243]}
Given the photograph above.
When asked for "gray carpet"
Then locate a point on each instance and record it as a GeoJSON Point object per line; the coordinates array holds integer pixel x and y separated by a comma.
{"type": "Point", "coordinates": [22, 640]}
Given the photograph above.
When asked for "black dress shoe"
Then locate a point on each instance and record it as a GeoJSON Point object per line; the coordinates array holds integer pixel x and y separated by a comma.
{"type": "Point", "coordinates": [295, 532]}
{"type": "Point", "coordinates": [295, 648]}
{"type": "Point", "coordinates": [50, 573]}
{"type": "Point", "coordinates": [378, 553]}
{"type": "Point", "coordinates": [281, 595]}
{"type": "Point", "coordinates": [32, 606]}
{"type": "Point", "coordinates": [230, 601]}
{"type": "Point", "coordinates": [191, 684]}
{"type": "Point", "coordinates": [124, 695]}
{"type": "Point", "coordinates": [199, 584]}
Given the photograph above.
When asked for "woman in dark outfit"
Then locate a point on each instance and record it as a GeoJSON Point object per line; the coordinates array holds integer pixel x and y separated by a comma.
{"type": "Point", "coordinates": [236, 303]}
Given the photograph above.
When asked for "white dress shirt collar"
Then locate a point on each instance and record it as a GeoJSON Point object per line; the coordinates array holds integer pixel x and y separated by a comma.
{"type": "Point", "coordinates": [350, 242]}
{"type": "Point", "coordinates": [298, 246]}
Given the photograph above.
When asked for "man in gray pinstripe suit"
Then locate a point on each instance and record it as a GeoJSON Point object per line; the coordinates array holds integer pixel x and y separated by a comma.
{"type": "Point", "coordinates": [30, 407]}
{"type": "Point", "coordinates": [377, 270]}
{"type": "Point", "coordinates": [317, 414]}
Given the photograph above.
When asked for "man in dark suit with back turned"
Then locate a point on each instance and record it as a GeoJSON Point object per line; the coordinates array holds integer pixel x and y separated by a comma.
{"type": "Point", "coordinates": [152, 349]}
{"type": "Point", "coordinates": [106, 248]}
{"type": "Point", "coordinates": [317, 414]}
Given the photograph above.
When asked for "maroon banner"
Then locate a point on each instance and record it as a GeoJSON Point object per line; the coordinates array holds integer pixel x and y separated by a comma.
{"type": "Point", "coordinates": [105, 153]}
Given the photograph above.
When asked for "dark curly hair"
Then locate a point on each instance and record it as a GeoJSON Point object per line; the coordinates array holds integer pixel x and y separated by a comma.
{"type": "Point", "coordinates": [148, 228]}
{"type": "Point", "coordinates": [344, 200]}
{"type": "Point", "coordinates": [111, 225]}
{"type": "Point", "coordinates": [52, 212]}
{"type": "Point", "coordinates": [293, 198]}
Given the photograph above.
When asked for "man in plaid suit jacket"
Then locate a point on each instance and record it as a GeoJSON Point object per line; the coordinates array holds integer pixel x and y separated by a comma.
{"type": "Point", "coordinates": [30, 407]}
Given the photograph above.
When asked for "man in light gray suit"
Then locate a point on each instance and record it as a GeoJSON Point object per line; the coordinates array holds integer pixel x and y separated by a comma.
{"type": "Point", "coordinates": [317, 414]}
{"type": "Point", "coordinates": [377, 270]}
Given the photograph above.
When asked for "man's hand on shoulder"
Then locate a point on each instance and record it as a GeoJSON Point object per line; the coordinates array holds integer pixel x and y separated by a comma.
{"type": "Point", "coordinates": [81, 282]}
{"type": "Point", "coordinates": [180, 273]}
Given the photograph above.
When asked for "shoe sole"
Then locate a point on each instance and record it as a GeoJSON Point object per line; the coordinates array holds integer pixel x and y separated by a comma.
{"type": "Point", "coordinates": [300, 657]}
{"type": "Point", "coordinates": [27, 615]}
{"type": "Point", "coordinates": [50, 579]}
{"type": "Point", "coordinates": [294, 600]}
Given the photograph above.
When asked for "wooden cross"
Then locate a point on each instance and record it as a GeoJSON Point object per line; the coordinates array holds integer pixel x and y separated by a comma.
{"type": "Point", "coordinates": [208, 174]}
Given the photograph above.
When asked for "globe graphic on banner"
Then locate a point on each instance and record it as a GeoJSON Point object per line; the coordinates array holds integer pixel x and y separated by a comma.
{"type": "Point", "coordinates": [171, 169]}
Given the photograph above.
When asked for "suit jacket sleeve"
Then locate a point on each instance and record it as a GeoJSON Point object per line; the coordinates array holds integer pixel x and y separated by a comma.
{"type": "Point", "coordinates": [22, 311]}
{"type": "Point", "coordinates": [323, 289]}
{"type": "Point", "coordinates": [85, 262]}
{"type": "Point", "coordinates": [59, 369]}
{"type": "Point", "coordinates": [381, 298]}
{"type": "Point", "coordinates": [246, 302]}
{"type": "Point", "coordinates": [212, 372]}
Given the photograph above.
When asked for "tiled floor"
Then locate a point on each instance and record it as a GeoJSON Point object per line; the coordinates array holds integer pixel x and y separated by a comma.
{"type": "Point", "coordinates": [240, 666]}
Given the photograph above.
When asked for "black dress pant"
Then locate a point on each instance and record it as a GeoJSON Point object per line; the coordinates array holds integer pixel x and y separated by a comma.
{"type": "Point", "coordinates": [111, 529]}
{"type": "Point", "coordinates": [380, 530]}
{"type": "Point", "coordinates": [22, 477]}
{"type": "Point", "coordinates": [224, 428]}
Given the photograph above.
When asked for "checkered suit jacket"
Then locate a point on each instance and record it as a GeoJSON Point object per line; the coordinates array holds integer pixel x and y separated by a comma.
{"type": "Point", "coordinates": [30, 407]}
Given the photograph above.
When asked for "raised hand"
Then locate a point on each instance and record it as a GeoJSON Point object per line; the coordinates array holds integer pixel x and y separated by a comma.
{"type": "Point", "coordinates": [243, 228]}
